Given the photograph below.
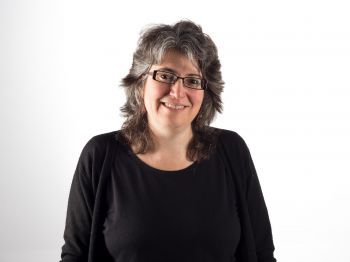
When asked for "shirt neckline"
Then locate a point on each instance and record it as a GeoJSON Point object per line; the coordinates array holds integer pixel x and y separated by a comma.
{"type": "Point", "coordinates": [184, 171]}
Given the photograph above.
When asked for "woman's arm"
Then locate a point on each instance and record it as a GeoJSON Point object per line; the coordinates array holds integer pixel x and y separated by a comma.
{"type": "Point", "coordinates": [258, 211]}
{"type": "Point", "coordinates": [256, 244]}
{"type": "Point", "coordinates": [81, 202]}
{"type": "Point", "coordinates": [79, 217]}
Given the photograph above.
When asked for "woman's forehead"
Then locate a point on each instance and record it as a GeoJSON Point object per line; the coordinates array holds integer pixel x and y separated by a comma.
{"type": "Point", "coordinates": [178, 61]}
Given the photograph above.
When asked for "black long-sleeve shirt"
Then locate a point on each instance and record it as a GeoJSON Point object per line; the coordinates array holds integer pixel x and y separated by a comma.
{"type": "Point", "coordinates": [121, 209]}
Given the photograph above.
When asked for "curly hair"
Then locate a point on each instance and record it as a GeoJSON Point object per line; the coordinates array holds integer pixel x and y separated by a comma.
{"type": "Point", "coordinates": [188, 39]}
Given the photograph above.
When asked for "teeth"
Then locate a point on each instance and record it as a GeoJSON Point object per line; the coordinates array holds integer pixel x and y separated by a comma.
{"type": "Point", "coordinates": [174, 106]}
{"type": "Point", "coordinates": [179, 107]}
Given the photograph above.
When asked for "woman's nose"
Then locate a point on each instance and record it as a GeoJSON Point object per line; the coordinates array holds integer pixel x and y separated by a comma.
{"type": "Point", "coordinates": [177, 90]}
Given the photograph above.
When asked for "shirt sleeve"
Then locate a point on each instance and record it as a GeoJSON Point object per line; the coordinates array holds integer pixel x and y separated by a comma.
{"type": "Point", "coordinates": [79, 212]}
{"type": "Point", "coordinates": [258, 212]}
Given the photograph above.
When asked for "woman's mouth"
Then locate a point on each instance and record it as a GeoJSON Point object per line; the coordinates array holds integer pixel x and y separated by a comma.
{"type": "Point", "coordinates": [173, 106]}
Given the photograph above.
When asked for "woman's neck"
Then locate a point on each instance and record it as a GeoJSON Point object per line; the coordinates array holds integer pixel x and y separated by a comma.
{"type": "Point", "coordinates": [170, 143]}
{"type": "Point", "coordinates": [170, 149]}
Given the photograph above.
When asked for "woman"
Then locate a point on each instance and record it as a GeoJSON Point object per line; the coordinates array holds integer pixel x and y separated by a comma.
{"type": "Point", "coordinates": [167, 186]}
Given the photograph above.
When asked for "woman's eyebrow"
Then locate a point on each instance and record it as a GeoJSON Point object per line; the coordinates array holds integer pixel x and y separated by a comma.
{"type": "Point", "coordinates": [168, 69]}
{"type": "Point", "coordinates": [197, 75]}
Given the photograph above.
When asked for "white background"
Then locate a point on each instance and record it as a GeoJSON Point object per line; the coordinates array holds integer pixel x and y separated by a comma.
{"type": "Point", "coordinates": [286, 66]}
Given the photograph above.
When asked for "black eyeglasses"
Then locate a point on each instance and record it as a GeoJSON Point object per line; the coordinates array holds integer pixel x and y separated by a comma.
{"type": "Point", "coordinates": [171, 78]}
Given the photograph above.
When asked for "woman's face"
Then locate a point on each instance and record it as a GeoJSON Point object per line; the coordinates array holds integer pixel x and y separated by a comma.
{"type": "Point", "coordinates": [159, 98]}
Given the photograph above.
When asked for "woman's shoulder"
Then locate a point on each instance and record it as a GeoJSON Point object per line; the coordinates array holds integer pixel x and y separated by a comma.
{"type": "Point", "coordinates": [100, 144]}
{"type": "Point", "coordinates": [231, 144]}
{"type": "Point", "coordinates": [101, 140]}
{"type": "Point", "coordinates": [97, 152]}
{"type": "Point", "coordinates": [229, 137]}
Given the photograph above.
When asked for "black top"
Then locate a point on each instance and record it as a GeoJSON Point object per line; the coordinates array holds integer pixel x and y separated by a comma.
{"type": "Point", "coordinates": [184, 215]}
{"type": "Point", "coordinates": [121, 209]}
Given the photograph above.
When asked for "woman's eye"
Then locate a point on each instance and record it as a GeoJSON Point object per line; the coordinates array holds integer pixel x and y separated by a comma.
{"type": "Point", "coordinates": [194, 81]}
{"type": "Point", "coordinates": [168, 77]}
{"type": "Point", "coordinates": [164, 76]}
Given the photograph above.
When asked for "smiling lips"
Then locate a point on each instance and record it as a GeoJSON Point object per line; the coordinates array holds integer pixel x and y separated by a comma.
{"type": "Point", "coordinates": [174, 106]}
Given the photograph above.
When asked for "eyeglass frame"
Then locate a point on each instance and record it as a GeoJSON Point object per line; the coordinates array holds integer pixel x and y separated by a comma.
{"type": "Point", "coordinates": [203, 81]}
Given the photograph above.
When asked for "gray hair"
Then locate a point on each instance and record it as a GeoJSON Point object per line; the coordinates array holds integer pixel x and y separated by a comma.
{"type": "Point", "coordinates": [188, 39]}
